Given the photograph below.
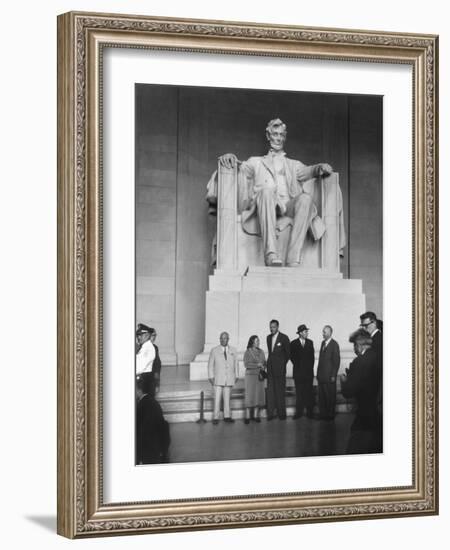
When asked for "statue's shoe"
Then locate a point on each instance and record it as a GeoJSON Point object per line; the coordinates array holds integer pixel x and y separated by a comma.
{"type": "Point", "coordinates": [293, 264]}
{"type": "Point", "coordinates": [273, 261]}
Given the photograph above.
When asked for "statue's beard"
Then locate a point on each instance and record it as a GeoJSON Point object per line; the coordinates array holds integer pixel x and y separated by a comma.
{"type": "Point", "coordinates": [277, 147]}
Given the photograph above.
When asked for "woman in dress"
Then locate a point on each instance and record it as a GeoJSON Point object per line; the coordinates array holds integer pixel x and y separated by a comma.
{"type": "Point", "coordinates": [254, 361]}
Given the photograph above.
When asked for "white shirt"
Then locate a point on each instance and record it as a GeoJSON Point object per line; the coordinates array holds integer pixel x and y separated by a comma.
{"type": "Point", "coordinates": [274, 340]}
{"type": "Point", "coordinates": [326, 342]}
{"type": "Point", "coordinates": [145, 357]}
{"type": "Point", "coordinates": [302, 341]}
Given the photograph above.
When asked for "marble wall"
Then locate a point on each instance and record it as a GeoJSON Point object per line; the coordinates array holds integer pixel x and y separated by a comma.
{"type": "Point", "coordinates": [180, 132]}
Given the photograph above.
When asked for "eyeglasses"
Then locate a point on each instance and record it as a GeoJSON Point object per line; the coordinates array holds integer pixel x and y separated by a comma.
{"type": "Point", "coordinates": [366, 324]}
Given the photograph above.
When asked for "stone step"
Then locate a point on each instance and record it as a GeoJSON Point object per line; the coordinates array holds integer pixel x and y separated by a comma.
{"type": "Point", "coordinates": [185, 406]}
{"type": "Point", "coordinates": [198, 369]}
{"type": "Point", "coordinates": [237, 414]}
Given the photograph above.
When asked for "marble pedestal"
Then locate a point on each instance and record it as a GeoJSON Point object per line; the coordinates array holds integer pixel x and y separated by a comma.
{"type": "Point", "coordinates": [244, 304]}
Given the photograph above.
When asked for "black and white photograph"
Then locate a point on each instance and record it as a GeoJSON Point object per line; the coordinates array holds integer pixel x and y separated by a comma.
{"type": "Point", "coordinates": [247, 274]}
{"type": "Point", "coordinates": [259, 274]}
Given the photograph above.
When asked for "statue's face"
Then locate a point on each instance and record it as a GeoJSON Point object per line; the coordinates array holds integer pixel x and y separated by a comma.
{"type": "Point", "coordinates": [276, 137]}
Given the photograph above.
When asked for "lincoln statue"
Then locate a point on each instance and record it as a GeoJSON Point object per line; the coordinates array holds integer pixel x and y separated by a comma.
{"type": "Point", "coordinates": [275, 190]}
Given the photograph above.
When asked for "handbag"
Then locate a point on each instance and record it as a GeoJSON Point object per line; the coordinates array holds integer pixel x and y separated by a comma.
{"type": "Point", "coordinates": [262, 375]}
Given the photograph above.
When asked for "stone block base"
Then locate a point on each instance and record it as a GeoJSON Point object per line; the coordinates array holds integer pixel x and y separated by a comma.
{"type": "Point", "coordinates": [244, 304]}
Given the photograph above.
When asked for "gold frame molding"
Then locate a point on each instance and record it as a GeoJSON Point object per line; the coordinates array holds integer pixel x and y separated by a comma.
{"type": "Point", "coordinates": [81, 37]}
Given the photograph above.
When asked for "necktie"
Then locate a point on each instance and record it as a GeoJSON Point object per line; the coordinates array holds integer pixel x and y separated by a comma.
{"type": "Point", "coordinates": [225, 354]}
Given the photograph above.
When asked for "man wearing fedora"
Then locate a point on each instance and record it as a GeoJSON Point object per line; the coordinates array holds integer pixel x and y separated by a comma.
{"type": "Point", "coordinates": [302, 357]}
{"type": "Point", "coordinates": [147, 355]}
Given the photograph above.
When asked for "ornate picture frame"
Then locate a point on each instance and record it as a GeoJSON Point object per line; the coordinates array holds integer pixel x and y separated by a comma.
{"type": "Point", "coordinates": [82, 38]}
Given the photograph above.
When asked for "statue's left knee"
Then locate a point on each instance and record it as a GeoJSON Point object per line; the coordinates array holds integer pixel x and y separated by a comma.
{"type": "Point", "coordinates": [303, 201]}
{"type": "Point", "coordinates": [304, 198]}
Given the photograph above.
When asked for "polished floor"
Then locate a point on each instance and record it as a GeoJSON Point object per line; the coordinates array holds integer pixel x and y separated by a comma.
{"type": "Point", "coordinates": [195, 442]}
{"type": "Point", "coordinates": [200, 442]}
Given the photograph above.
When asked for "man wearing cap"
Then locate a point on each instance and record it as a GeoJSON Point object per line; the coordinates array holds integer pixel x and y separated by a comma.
{"type": "Point", "coordinates": [302, 357]}
{"type": "Point", "coordinates": [147, 358]}
{"type": "Point", "coordinates": [222, 374]}
{"type": "Point", "coordinates": [327, 369]}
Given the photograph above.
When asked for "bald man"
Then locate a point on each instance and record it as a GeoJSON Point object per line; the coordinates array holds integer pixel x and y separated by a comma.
{"type": "Point", "coordinates": [223, 373]}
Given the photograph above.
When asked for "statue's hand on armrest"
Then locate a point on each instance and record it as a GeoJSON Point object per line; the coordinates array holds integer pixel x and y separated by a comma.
{"type": "Point", "coordinates": [229, 160]}
{"type": "Point", "coordinates": [322, 169]}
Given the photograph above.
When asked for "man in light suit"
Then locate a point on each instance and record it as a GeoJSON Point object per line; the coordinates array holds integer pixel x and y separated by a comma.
{"type": "Point", "coordinates": [278, 347]}
{"type": "Point", "coordinates": [327, 369]}
{"type": "Point", "coordinates": [273, 186]}
{"type": "Point", "coordinates": [223, 373]}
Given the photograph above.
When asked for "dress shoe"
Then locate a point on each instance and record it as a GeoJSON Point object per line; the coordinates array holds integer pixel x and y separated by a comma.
{"type": "Point", "coordinates": [257, 419]}
{"type": "Point", "coordinates": [215, 421]}
{"type": "Point", "coordinates": [282, 417]}
{"type": "Point", "coordinates": [229, 420]}
{"type": "Point", "coordinates": [296, 416]}
{"type": "Point", "coordinates": [269, 418]}
{"type": "Point", "coordinates": [246, 421]}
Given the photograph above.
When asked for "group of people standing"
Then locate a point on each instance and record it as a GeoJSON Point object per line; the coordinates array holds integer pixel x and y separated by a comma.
{"type": "Point", "coordinates": [265, 383]}
{"type": "Point", "coordinates": [265, 378]}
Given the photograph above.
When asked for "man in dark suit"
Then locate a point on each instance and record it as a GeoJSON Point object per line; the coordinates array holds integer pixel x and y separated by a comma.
{"type": "Point", "coordinates": [370, 323]}
{"type": "Point", "coordinates": [361, 383]}
{"type": "Point", "coordinates": [372, 326]}
{"type": "Point", "coordinates": [278, 347]}
{"type": "Point", "coordinates": [327, 369]}
{"type": "Point", "coordinates": [302, 357]}
{"type": "Point", "coordinates": [152, 430]}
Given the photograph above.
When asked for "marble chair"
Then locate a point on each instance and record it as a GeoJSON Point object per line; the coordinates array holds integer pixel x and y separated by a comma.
{"type": "Point", "coordinates": [236, 250]}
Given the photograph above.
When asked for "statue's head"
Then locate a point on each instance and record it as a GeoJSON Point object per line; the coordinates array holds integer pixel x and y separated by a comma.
{"type": "Point", "coordinates": [276, 133]}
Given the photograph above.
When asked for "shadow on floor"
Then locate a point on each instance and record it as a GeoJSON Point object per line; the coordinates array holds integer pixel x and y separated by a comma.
{"type": "Point", "coordinates": [46, 522]}
{"type": "Point", "coordinates": [192, 442]}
